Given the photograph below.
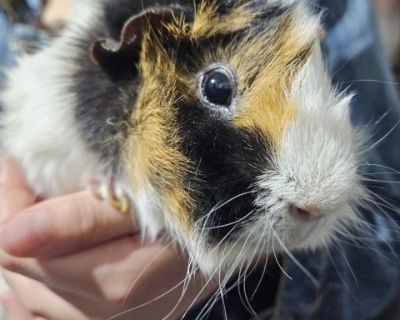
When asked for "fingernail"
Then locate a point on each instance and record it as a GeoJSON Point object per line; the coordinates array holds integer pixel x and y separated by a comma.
{"type": "Point", "coordinates": [25, 233]}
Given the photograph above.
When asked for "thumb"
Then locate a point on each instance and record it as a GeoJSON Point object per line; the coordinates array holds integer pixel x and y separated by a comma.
{"type": "Point", "coordinates": [64, 225]}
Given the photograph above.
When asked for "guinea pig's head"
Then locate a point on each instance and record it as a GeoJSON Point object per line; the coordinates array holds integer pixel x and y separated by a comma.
{"type": "Point", "coordinates": [237, 142]}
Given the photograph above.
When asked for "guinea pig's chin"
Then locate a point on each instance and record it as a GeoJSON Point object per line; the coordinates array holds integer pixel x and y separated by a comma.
{"type": "Point", "coordinates": [304, 235]}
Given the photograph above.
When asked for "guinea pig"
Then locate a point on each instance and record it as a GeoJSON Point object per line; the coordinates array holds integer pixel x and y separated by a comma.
{"type": "Point", "coordinates": [216, 122]}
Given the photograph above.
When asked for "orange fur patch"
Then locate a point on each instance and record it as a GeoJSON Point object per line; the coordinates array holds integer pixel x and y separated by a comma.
{"type": "Point", "coordinates": [152, 153]}
{"type": "Point", "coordinates": [265, 105]}
{"type": "Point", "coordinates": [152, 150]}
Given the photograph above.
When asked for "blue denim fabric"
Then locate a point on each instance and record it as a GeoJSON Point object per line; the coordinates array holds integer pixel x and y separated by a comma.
{"type": "Point", "coordinates": [351, 35]}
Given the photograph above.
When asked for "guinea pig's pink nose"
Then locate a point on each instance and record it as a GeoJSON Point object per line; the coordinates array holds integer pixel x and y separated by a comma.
{"type": "Point", "coordinates": [304, 214]}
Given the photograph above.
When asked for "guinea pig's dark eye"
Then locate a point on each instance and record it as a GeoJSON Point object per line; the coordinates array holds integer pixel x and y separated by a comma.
{"type": "Point", "coordinates": [218, 88]}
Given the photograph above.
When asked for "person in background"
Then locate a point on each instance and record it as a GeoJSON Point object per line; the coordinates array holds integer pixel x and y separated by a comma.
{"type": "Point", "coordinates": [58, 271]}
{"type": "Point", "coordinates": [389, 27]}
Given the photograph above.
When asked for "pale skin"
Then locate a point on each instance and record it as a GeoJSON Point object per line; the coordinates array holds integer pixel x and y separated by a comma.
{"type": "Point", "coordinates": [74, 257]}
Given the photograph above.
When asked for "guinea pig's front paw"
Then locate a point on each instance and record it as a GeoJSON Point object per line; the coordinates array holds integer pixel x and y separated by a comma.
{"type": "Point", "coordinates": [111, 192]}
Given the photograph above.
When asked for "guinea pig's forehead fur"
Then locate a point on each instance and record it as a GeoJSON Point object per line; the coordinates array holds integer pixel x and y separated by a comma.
{"type": "Point", "coordinates": [266, 46]}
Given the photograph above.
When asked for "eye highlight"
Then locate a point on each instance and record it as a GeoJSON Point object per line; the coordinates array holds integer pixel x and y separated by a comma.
{"type": "Point", "coordinates": [218, 89]}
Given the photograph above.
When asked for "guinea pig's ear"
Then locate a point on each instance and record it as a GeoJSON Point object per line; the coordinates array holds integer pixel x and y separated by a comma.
{"type": "Point", "coordinates": [118, 59]}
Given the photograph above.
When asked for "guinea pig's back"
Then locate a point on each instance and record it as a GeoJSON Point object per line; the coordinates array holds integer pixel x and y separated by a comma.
{"type": "Point", "coordinates": [38, 121]}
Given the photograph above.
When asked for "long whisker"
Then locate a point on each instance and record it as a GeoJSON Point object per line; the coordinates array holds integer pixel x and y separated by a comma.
{"type": "Point", "coordinates": [215, 294]}
{"type": "Point", "coordinates": [380, 166]}
{"type": "Point", "coordinates": [231, 223]}
{"type": "Point", "coordinates": [341, 277]}
{"type": "Point", "coordinates": [294, 259]}
{"type": "Point", "coordinates": [279, 265]}
{"type": "Point", "coordinates": [132, 286]}
{"type": "Point", "coordinates": [373, 146]}
{"type": "Point", "coordinates": [266, 246]}
{"type": "Point", "coordinates": [347, 262]}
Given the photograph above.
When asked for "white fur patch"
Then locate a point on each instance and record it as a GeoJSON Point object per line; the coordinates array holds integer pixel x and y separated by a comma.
{"type": "Point", "coordinates": [317, 165]}
{"type": "Point", "coordinates": [38, 125]}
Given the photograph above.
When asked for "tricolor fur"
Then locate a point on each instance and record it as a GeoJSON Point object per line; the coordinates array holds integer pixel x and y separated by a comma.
{"type": "Point", "coordinates": [222, 185]}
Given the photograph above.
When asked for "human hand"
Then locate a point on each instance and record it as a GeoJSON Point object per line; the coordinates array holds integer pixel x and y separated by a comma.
{"type": "Point", "coordinates": [73, 257]}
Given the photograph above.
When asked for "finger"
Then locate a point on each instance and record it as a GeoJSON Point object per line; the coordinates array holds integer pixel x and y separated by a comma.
{"type": "Point", "coordinates": [12, 175]}
{"type": "Point", "coordinates": [15, 194]}
{"type": "Point", "coordinates": [119, 274]}
{"type": "Point", "coordinates": [63, 225]}
{"type": "Point", "coordinates": [135, 281]}
{"type": "Point", "coordinates": [38, 301]}
{"type": "Point", "coordinates": [93, 271]}
{"type": "Point", "coordinates": [14, 308]}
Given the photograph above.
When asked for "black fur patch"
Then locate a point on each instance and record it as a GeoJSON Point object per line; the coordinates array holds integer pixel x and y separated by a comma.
{"type": "Point", "coordinates": [103, 105]}
{"type": "Point", "coordinates": [228, 162]}
{"type": "Point", "coordinates": [102, 109]}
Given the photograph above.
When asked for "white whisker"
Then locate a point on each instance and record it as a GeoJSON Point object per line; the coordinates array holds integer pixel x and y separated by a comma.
{"type": "Point", "coordinates": [294, 259]}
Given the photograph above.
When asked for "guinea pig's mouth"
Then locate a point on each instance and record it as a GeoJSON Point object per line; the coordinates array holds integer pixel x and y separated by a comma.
{"type": "Point", "coordinates": [288, 225]}
{"type": "Point", "coordinates": [304, 214]}
{"type": "Point", "coordinates": [305, 232]}
{"type": "Point", "coordinates": [299, 238]}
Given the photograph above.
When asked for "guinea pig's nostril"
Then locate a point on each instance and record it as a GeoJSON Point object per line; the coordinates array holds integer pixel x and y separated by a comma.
{"type": "Point", "coordinates": [302, 213]}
